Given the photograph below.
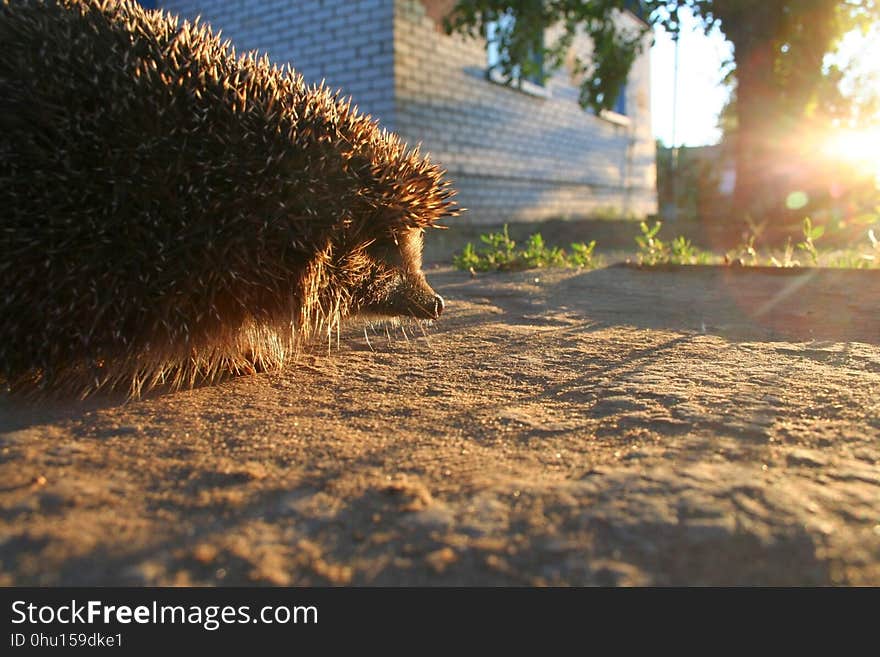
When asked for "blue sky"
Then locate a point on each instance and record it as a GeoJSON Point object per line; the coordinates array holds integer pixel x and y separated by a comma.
{"type": "Point", "coordinates": [701, 95]}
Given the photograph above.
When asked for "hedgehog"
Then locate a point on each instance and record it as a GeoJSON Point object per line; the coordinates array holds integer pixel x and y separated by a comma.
{"type": "Point", "coordinates": [173, 213]}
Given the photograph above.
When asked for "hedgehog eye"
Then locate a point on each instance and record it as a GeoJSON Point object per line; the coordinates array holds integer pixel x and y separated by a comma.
{"type": "Point", "coordinates": [386, 252]}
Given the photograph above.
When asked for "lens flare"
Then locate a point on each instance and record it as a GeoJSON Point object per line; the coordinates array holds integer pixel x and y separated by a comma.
{"type": "Point", "coordinates": [859, 148]}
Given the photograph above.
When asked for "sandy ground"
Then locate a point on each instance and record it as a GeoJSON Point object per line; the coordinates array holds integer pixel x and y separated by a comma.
{"type": "Point", "coordinates": [691, 426]}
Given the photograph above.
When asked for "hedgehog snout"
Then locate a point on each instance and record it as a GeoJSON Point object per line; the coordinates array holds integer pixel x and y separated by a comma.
{"type": "Point", "coordinates": [425, 304]}
{"type": "Point", "coordinates": [422, 302]}
{"type": "Point", "coordinates": [439, 305]}
{"type": "Point", "coordinates": [407, 295]}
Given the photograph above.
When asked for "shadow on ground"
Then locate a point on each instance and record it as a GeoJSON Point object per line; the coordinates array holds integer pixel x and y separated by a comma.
{"type": "Point", "coordinates": [557, 427]}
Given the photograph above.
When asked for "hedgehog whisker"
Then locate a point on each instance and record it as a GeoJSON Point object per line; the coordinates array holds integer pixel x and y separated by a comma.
{"type": "Point", "coordinates": [421, 326]}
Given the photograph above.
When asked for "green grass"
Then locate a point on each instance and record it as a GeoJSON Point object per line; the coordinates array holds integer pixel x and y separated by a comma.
{"type": "Point", "coordinates": [678, 251]}
{"type": "Point", "coordinates": [852, 258]}
{"type": "Point", "coordinates": [498, 252]}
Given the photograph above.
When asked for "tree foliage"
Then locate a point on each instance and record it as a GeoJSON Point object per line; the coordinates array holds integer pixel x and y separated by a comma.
{"type": "Point", "coordinates": [518, 40]}
{"type": "Point", "coordinates": [782, 79]}
{"type": "Point", "coordinates": [798, 32]}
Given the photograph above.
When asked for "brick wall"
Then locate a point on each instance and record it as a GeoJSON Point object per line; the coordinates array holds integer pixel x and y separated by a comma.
{"type": "Point", "coordinates": [516, 156]}
{"type": "Point", "coordinates": [346, 42]}
{"type": "Point", "coordinates": [512, 156]}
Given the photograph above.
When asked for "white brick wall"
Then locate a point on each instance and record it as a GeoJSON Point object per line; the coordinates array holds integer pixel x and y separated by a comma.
{"type": "Point", "coordinates": [515, 156]}
{"type": "Point", "coordinates": [348, 43]}
{"type": "Point", "coordinates": [512, 156]}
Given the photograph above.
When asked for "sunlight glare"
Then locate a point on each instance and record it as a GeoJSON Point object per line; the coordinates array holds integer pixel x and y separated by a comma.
{"type": "Point", "coordinates": [860, 148]}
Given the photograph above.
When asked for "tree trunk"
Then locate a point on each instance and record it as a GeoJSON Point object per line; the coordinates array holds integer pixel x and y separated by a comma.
{"type": "Point", "coordinates": [772, 95]}
{"type": "Point", "coordinates": [759, 185]}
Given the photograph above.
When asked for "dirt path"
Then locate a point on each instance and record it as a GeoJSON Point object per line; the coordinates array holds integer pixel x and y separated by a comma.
{"type": "Point", "coordinates": [607, 427]}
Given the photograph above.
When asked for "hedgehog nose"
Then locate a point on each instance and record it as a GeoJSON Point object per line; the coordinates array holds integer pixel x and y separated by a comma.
{"type": "Point", "coordinates": [438, 305]}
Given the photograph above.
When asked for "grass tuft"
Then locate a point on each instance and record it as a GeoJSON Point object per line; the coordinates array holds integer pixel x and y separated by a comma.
{"type": "Point", "coordinates": [500, 253]}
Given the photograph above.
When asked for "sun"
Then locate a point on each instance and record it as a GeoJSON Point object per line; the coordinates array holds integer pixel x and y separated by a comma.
{"type": "Point", "coordinates": [856, 148]}
{"type": "Point", "coordinates": [858, 54]}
